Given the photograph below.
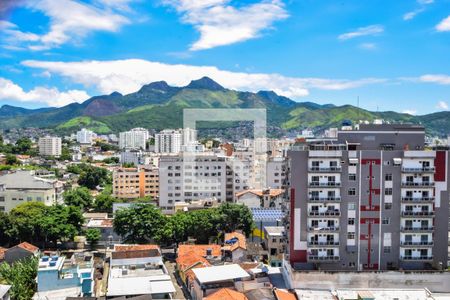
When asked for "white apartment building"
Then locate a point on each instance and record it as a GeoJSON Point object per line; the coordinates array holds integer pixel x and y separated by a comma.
{"type": "Point", "coordinates": [50, 146]}
{"type": "Point", "coordinates": [172, 141]}
{"type": "Point", "coordinates": [136, 138]}
{"type": "Point", "coordinates": [85, 136]}
{"type": "Point", "coordinates": [276, 174]}
{"type": "Point", "coordinates": [23, 186]}
{"type": "Point", "coordinates": [185, 178]}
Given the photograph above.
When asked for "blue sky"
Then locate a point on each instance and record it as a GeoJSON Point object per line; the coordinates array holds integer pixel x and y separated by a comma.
{"type": "Point", "coordinates": [394, 55]}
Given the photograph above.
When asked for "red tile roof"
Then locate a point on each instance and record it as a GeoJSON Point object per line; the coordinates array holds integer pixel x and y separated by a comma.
{"type": "Point", "coordinates": [128, 247]}
{"type": "Point", "coordinates": [260, 193]}
{"type": "Point", "coordinates": [241, 243]}
{"type": "Point", "coordinates": [199, 249]}
{"type": "Point", "coordinates": [190, 259]}
{"type": "Point", "coordinates": [2, 253]}
{"type": "Point", "coordinates": [135, 251]}
{"type": "Point", "coordinates": [29, 247]}
{"type": "Point", "coordinates": [226, 294]}
{"type": "Point", "coordinates": [284, 295]}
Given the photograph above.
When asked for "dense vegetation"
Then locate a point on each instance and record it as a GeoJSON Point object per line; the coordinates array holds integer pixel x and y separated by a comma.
{"type": "Point", "coordinates": [143, 223]}
{"type": "Point", "coordinates": [22, 276]}
{"type": "Point", "coordinates": [90, 176]}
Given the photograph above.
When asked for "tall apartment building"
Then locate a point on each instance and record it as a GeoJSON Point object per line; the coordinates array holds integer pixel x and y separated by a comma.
{"type": "Point", "coordinates": [136, 138]}
{"type": "Point", "coordinates": [132, 183]}
{"type": "Point", "coordinates": [185, 178]}
{"type": "Point", "coordinates": [172, 141]}
{"type": "Point", "coordinates": [23, 186]}
{"type": "Point", "coordinates": [85, 136]}
{"type": "Point", "coordinates": [276, 174]}
{"type": "Point", "coordinates": [49, 146]}
{"type": "Point", "coordinates": [372, 199]}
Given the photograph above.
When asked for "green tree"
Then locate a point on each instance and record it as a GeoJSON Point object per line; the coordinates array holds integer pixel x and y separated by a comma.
{"type": "Point", "coordinates": [91, 177]}
{"type": "Point", "coordinates": [23, 146]}
{"type": "Point", "coordinates": [235, 216]}
{"type": "Point", "coordinates": [111, 160]}
{"type": "Point", "coordinates": [5, 227]}
{"type": "Point", "coordinates": [79, 197]}
{"type": "Point", "coordinates": [93, 235]}
{"type": "Point", "coordinates": [65, 154]}
{"type": "Point", "coordinates": [11, 159]}
{"type": "Point", "coordinates": [62, 223]}
{"type": "Point", "coordinates": [26, 222]}
{"type": "Point", "coordinates": [139, 223]}
{"type": "Point", "coordinates": [128, 165]}
{"type": "Point", "coordinates": [104, 203]}
{"type": "Point", "coordinates": [21, 276]}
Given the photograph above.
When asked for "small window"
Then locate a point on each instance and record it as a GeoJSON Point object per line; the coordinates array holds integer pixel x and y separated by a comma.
{"type": "Point", "coordinates": [351, 221]}
{"type": "Point", "coordinates": [352, 177]}
{"type": "Point", "coordinates": [385, 221]}
{"type": "Point", "coordinates": [351, 191]}
{"type": "Point", "coordinates": [387, 249]}
{"type": "Point", "coordinates": [388, 177]}
{"type": "Point", "coordinates": [351, 206]}
{"type": "Point", "coordinates": [388, 191]}
{"type": "Point", "coordinates": [388, 206]}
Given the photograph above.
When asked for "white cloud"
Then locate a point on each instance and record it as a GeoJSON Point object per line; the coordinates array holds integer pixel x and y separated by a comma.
{"type": "Point", "coordinates": [444, 25]}
{"type": "Point", "coordinates": [49, 96]}
{"type": "Point", "coordinates": [362, 31]}
{"type": "Point", "coordinates": [410, 111]}
{"type": "Point", "coordinates": [129, 75]}
{"type": "Point", "coordinates": [442, 105]}
{"type": "Point", "coordinates": [69, 21]}
{"type": "Point", "coordinates": [368, 46]}
{"type": "Point", "coordinates": [220, 23]}
{"type": "Point", "coordinates": [435, 78]}
{"type": "Point", "coordinates": [425, 2]}
{"type": "Point", "coordinates": [412, 14]}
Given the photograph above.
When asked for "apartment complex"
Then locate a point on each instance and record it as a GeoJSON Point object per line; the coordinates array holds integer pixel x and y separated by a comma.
{"type": "Point", "coordinates": [173, 141]}
{"type": "Point", "coordinates": [50, 146]}
{"type": "Point", "coordinates": [372, 199]}
{"type": "Point", "coordinates": [22, 186]}
{"type": "Point", "coordinates": [131, 183]}
{"type": "Point", "coordinates": [136, 138]}
{"type": "Point", "coordinates": [85, 136]}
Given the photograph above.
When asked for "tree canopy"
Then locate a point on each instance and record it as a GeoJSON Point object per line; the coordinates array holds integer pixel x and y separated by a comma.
{"type": "Point", "coordinates": [21, 276]}
{"type": "Point", "coordinates": [79, 197]}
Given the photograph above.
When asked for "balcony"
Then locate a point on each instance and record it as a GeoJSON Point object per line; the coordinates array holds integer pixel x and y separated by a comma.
{"type": "Point", "coordinates": [324, 199]}
{"type": "Point", "coordinates": [335, 213]}
{"type": "Point", "coordinates": [324, 243]}
{"type": "Point", "coordinates": [417, 184]}
{"type": "Point", "coordinates": [324, 169]}
{"type": "Point", "coordinates": [324, 184]}
{"type": "Point", "coordinates": [418, 243]}
{"type": "Point", "coordinates": [414, 258]}
{"type": "Point", "coordinates": [418, 170]}
{"type": "Point", "coordinates": [417, 199]}
{"type": "Point", "coordinates": [417, 229]}
{"type": "Point", "coordinates": [323, 229]}
{"type": "Point", "coordinates": [318, 258]}
{"type": "Point", "coordinates": [417, 213]}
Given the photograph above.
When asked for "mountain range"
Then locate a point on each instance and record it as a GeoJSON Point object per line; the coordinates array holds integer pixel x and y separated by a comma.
{"type": "Point", "coordinates": [158, 105]}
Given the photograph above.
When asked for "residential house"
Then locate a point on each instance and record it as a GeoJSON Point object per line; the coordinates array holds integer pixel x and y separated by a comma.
{"type": "Point", "coordinates": [235, 247]}
{"type": "Point", "coordinates": [274, 243]}
{"type": "Point", "coordinates": [226, 294]}
{"type": "Point", "coordinates": [138, 270]}
{"type": "Point", "coordinates": [20, 251]}
{"type": "Point", "coordinates": [261, 198]}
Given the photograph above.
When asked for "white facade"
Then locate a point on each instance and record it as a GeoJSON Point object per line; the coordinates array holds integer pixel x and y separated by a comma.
{"type": "Point", "coordinates": [168, 141]}
{"type": "Point", "coordinates": [85, 136]}
{"type": "Point", "coordinates": [50, 146]}
{"type": "Point", "coordinates": [136, 138]}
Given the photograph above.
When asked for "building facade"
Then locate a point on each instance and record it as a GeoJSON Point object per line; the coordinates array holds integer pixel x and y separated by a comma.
{"type": "Point", "coordinates": [136, 138]}
{"type": "Point", "coordinates": [132, 183]}
{"type": "Point", "coordinates": [372, 199]}
{"type": "Point", "coordinates": [85, 136]}
{"type": "Point", "coordinates": [50, 146]}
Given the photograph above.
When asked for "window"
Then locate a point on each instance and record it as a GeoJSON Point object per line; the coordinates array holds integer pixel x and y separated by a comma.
{"type": "Point", "coordinates": [352, 177]}
{"type": "Point", "coordinates": [388, 177]}
{"type": "Point", "coordinates": [351, 206]}
{"type": "Point", "coordinates": [351, 235]}
{"type": "Point", "coordinates": [352, 191]}
{"type": "Point", "coordinates": [2, 199]}
{"type": "Point", "coordinates": [388, 206]}
{"type": "Point", "coordinates": [385, 221]}
{"type": "Point", "coordinates": [2, 208]}
{"type": "Point", "coordinates": [351, 221]}
{"type": "Point", "coordinates": [387, 249]}
{"type": "Point", "coordinates": [388, 191]}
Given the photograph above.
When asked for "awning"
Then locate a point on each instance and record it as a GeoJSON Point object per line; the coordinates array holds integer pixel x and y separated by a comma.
{"type": "Point", "coordinates": [397, 161]}
{"type": "Point", "coordinates": [353, 161]}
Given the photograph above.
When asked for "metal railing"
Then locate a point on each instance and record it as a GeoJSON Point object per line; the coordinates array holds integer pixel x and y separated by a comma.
{"type": "Point", "coordinates": [324, 199]}
{"type": "Point", "coordinates": [322, 229]}
{"type": "Point", "coordinates": [325, 213]}
{"type": "Point", "coordinates": [422, 257]}
{"type": "Point", "coordinates": [324, 169]}
{"type": "Point", "coordinates": [323, 258]}
{"type": "Point", "coordinates": [417, 213]}
{"type": "Point", "coordinates": [418, 184]}
{"type": "Point", "coordinates": [412, 243]}
{"type": "Point", "coordinates": [325, 243]}
{"type": "Point", "coordinates": [324, 184]}
{"type": "Point", "coordinates": [417, 199]}
{"type": "Point", "coordinates": [422, 228]}
{"type": "Point", "coordinates": [418, 170]}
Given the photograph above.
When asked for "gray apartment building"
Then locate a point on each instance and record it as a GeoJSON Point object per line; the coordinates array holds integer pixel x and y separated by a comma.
{"type": "Point", "coordinates": [373, 199]}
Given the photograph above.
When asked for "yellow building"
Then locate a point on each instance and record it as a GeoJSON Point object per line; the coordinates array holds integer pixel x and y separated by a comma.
{"type": "Point", "coordinates": [132, 183]}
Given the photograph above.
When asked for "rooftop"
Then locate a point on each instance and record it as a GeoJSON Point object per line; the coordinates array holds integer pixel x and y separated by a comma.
{"type": "Point", "coordinates": [199, 249]}
{"type": "Point", "coordinates": [226, 294]}
{"type": "Point", "coordinates": [267, 214]}
{"type": "Point", "coordinates": [274, 230]}
{"type": "Point", "coordinates": [235, 240]}
{"type": "Point", "coordinates": [261, 192]}
{"type": "Point", "coordinates": [28, 247]}
{"type": "Point", "coordinates": [25, 180]}
{"type": "Point", "coordinates": [220, 273]}
{"type": "Point", "coordinates": [4, 289]}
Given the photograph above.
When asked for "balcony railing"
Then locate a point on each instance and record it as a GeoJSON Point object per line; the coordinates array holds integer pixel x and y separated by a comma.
{"type": "Point", "coordinates": [417, 213]}
{"type": "Point", "coordinates": [325, 213]}
{"type": "Point", "coordinates": [325, 169]}
{"type": "Point", "coordinates": [324, 199]}
{"type": "Point", "coordinates": [323, 258]}
{"type": "Point", "coordinates": [418, 170]}
{"type": "Point", "coordinates": [417, 229]}
{"type": "Point", "coordinates": [422, 257]}
{"type": "Point", "coordinates": [417, 184]}
{"type": "Point", "coordinates": [323, 243]}
{"type": "Point", "coordinates": [419, 243]}
{"type": "Point", "coordinates": [417, 199]}
{"type": "Point", "coordinates": [324, 184]}
{"type": "Point", "coordinates": [323, 229]}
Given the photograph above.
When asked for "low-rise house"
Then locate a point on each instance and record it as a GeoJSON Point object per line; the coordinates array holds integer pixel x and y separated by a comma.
{"type": "Point", "coordinates": [23, 186]}
{"type": "Point", "coordinates": [261, 198]}
{"type": "Point", "coordinates": [226, 294]}
{"type": "Point", "coordinates": [283, 295]}
{"type": "Point", "coordinates": [235, 247]}
{"type": "Point", "coordinates": [211, 279]}
{"type": "Point", "coordinates": [72, 276]}
{"type": "Point", "coordinates": [4, 292]}
{"type": "Point", "coordinates": [20, 251]}
{"type": "Point", "coordinates": [104, 224]}
{"type": "Point", "coordinates": [138, 270]}
{"type": "Point", "coordinates": [274, 243]}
